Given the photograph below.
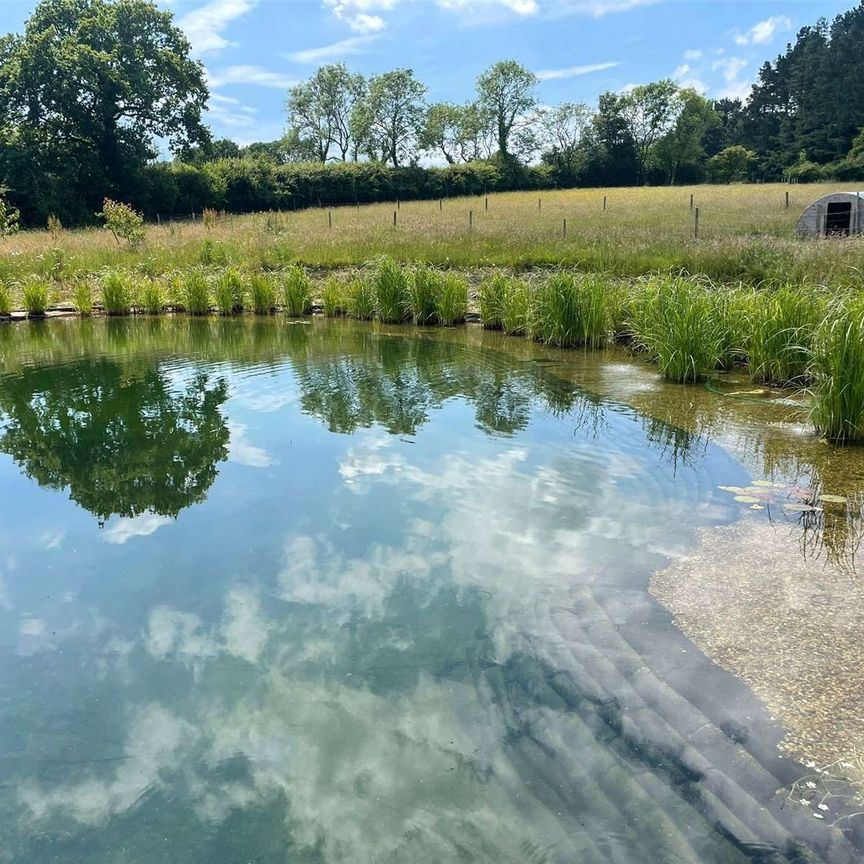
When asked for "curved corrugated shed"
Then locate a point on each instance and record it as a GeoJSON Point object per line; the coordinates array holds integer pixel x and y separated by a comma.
{"type": "Point", "coordinates": [839, 213]}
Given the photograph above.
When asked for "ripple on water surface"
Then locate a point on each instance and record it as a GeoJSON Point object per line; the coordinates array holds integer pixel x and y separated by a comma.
{"type": "Point", "coordinates": [274, 592]}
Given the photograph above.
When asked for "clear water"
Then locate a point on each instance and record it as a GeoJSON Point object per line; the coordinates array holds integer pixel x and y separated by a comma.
{"type": "Point", "coordinates": [276, 592]}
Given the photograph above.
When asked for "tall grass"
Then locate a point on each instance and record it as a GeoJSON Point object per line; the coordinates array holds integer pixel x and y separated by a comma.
{"type": "Point", "coordinates": [390, 282]}
{"type": "Point", "coordinates": [516, 306]}
{"type": "Point", "coordinates": [152, 296]}
{"type": "Point", "coordinates": [674, 320]}
{"type": "Point", "coordinates": [5, 300]}
{"type": "Point", "coordinates": [117, 292]}
{"type": "Point", "coordinates": [195, 292]}
{"type": "Point", "coordinates": [262, 293]}
{"type": "Point", "coordinates": [296, 292]}
{"type": "Point", "coordinates": [572, 311]}
{"type": "Point", "coordinates": [781, 326]}
{"type": "Point", "coordinates": [360, 299]}
{"type": "Point", "coordinates": [490, 299]}
{"type": "Point", "coordinates": [451, 304]}
{"type": "Point", "coordinates": [333, 297]}
{"type": "Point", "coordinates": [36, 294]}
{"type": "Point", "coordinates": [82, 297]}
{"type": "Point", "coordinates": [423, 290]}
{"type": "Point", "coordinates": [229, 291]}
{"type": "Point", "coordinates": [838, 373]}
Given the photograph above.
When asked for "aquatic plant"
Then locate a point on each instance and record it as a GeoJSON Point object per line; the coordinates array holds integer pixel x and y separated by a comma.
{"type": "Point", "coordinates": [571, 311]}
{"type": "Point", "coordinates": [516, 307]}
{"type": "Point", "coordinates": [116, 292]}
{"type": "Point", "coordinates": [82, 296]}
{"type": "Point", "coordinates": [390, 284]}
{"type": "Point", "coordinates": [451, 304]}
{"type": "Point", "coordinates": [674, 320]}
{"type": "Point", "coordinates": [360, 298]}
{"type": "Point", "coordinates": [5, 300]}
{"type": "Point", "coordinates": [229, 291]}
{"type": "Point", "coordinates": [262, 293]}
{"type": "Point", "coordinates": [195, 292]}
{"type": "Point", "coordinates": [424, 287]}
{"type": "Point", "coordinates": [333, 297]}
{"type": "Point", "coordinates": [837, 370]}
{"type": "Point", "coordinates": [780, 328]}
{"type": "Point", "coordinates": [36, 293]}
{"type": "Point", "coordinates": [490, 298]}
{"type": "Point", "coordinates": [152, 296]}
{"type": "Point", "coordinates": [296, 292]}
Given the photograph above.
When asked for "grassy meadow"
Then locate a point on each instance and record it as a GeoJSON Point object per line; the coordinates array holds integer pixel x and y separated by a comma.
{"type": "Point", "coordinates": [744, 293]}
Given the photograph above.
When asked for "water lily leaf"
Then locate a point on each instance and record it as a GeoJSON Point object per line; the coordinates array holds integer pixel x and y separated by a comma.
{"type": "Point", "coordinates": [737, 490]}
{"type": "Point", "coordinates": [768, 484]}
{"type": "Point", "coordinates": [746, 499]}
{"type": "Point", "coordinates": [833, 499]}
{"type": "Point", "coordinates": [756, 507]}
{"type": "Point", "coordinates": [802, 508]}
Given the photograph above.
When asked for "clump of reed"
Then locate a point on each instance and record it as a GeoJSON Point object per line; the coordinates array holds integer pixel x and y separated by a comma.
{"type": "Point", "coordinates": [571, 311]}
{"type": "Point", "coordinates": [117, 292]}
{"type": "Point", "coordinates": [675, 321]}
{"type": "Point", "coordinates": [152, 296]}
{"type": "Point", "coordinates": [451, 303]}
{"type": "Point", "coordinates": [194, 291]}
{"type": "Point", "coordinates": [515, 306]}
{"type": "Point", "coordinates": [360, 299]}
{"type": "Point", "coordinates": [390, 283]}
{"type": "Point", "coordinates": [229, 291]}
{"type": "Point", "coordinates": [36, 294]}
{"type": "Point", "coordinates": [781, 326]}
{"type": "Point", "coordinates": [5, 300]}
{"type": "Point", "coordinates": [333, 298]}
{"type": "Point", "coordinates": [490, 299]}
{"type": "Point", "coordinates": [262, 293]}
{"type": "Point", "coordinates": [424, 287]}
{"type": "Point", "coordinates": [837, 370]}
{"type": "Point", "coordinates": [82, 297]}
{"type": "Point", "coordinates": [296, 292]}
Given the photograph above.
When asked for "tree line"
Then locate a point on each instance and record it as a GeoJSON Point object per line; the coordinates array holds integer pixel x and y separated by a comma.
{"type": "Point", "coordinates": [90, 85]}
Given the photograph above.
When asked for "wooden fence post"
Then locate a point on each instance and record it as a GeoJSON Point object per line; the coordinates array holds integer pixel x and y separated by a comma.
{"type": "Point", "coordinates": [470, 219]}
{"type": "Point", "coordinates": [564, 230]}
{"type": "Point", "coordinates": [696, 224]}
{"type": "Point", "coordinates": [604, 203]}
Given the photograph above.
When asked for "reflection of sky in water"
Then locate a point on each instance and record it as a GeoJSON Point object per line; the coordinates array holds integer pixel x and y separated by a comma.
{"type": "Point", "coordinates": [412, 647]}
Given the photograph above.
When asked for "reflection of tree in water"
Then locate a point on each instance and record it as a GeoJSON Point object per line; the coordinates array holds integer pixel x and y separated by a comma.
{"type": "Point", "coordinates": [123, 441]}
{"type": "Point", "coordinates": [395, 382]}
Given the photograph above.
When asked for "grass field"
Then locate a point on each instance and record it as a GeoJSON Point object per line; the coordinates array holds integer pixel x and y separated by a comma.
{"type": "Point", "coordinates": [746, 233]}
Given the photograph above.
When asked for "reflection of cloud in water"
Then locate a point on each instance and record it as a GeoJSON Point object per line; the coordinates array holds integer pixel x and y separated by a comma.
{"type": "Point", "coordinates": [243, 452]}
{"type": "Point", "coordinates": [126, 527]}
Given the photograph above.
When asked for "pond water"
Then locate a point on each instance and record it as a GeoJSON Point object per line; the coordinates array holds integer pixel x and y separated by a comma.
{"type": "Point", "coordinates": [323, 592]}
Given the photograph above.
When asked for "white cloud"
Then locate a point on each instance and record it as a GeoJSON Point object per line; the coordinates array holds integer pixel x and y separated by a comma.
{"type": "Point", "coordinates": [230, 112]}
{"type": "Point", "coordinates": [731, 68]}
{"type": "Point", "coordinates": [244, 452]}
{"type": "Point", "coordinates": [205, 25]}
{"type": "Point", "coordinates": [764, 31]}
{"type": "Point", "coordinates": [346, 47]}
{"type": "Point", "coordinates": [692, 54]}
{"type": "Point", "coordinates": [127, 527]}
{"type": "Point", "coordinates": [359, 14]}
{"type": "Point", "coordinates": [522, 8]}
{"type": "Point", "coordinates": [573, 71]}
{"type": "Point", "coordinates": [253, 75]}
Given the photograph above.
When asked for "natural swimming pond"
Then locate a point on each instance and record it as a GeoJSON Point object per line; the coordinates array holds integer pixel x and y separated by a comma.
{"type": "Point", "coordinates": [326, 592]}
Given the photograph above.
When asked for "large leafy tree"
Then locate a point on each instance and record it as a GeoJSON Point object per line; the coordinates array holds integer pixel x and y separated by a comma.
{"type": "Point", "coordinates": [565, 127]}
{"type": "Point", "coordinates": [87, 89]}
{"type": "Point", "coordinates": [683, 146]}
{"type": "Point", "coordinates": [650, 112]}
{"type": "Point", "coordinates": [507, 99]}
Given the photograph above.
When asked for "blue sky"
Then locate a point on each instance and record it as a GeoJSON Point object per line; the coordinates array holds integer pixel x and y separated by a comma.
{"type": "Point", "coordinates": [255, 49]}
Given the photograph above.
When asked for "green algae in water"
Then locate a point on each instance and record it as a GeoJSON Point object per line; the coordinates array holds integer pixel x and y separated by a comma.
{"type": "Point", "coordinates": [332, 593]}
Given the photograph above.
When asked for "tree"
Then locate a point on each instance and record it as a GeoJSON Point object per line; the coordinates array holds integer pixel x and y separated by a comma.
{"type": "Point", "coordinates": [389, 118]}
{"type": "Point", "coordinates": [683, 144]}
{"type": "Point", "coordinates": [507, 99]}
{"type": "Point", "coordinates": [320, 111]}
{"type": "Point", "coordinates": [733, 163]}
{"type": "Point", "coordinates": [88, 88]}
{"type": "Point", "coordinates": [650, 111]}
{"type": "Point", "coordinates": [564, 129]}
{"type": "Point", "coordinates": [456, 132]}
{"type": "Point", "coordinates": [609, 146]}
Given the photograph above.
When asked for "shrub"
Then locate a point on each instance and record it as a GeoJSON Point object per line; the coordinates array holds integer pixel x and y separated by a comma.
{"type": "Point", "coordinates": [123, 222]}
{"type": "Point", "coordinates": [391, 290]}
{"type": "Point", "coordinates": [360, 299]}
{"type": "Point", "coordinates": [296, 292]}
{"type": "Point", "coordinates": [35, 292]}
{"type": "Point", "coordinates": [82, 297]}
{"type": "Point", "coordinates": [229, 290]}
{"type": "Point", "coordinates": [674, 321]}
{"type": "Point", "coordinates": [424, 287]}
{"type": "Point", "coordinates": [838, 373]}
{"type": "Point", "coordinates": [452, 300]}
{"type": "Point", "coordinates": [334, 297]}
{"type": "Point", "coordinates": [117, 292]}
{"type": "Point", "coordinates": [195, 292]}
{"type": "Point", "coordinates": [9, 217]}
{"type": "Point", "coordinates": [5, 300]}
{"type": "Point", "coordinates": [262, 293]}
